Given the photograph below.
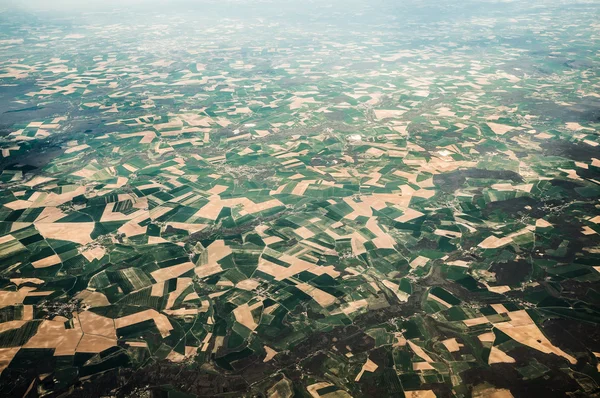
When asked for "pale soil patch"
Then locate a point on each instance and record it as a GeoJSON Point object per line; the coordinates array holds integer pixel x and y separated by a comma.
{"type": "Point", "coordinates": [508, 187]}
{"type": "Point", "coordinates": [158, 289]}
{"type": "Point", "coordinates": [541, 223]}
{"type": "Point", "coordinates": [130, 168]}
{"type": "Point", "coordinates": [498, 289]}
{"type": "Point", "coordinates": [595, 220]}
{"type": "Point", "coordinates": [93, 299]}
{"type": "Point", "coordinates": [522, 329]}
{"type": "Point", "coordinates": [369, 366]}
{"type": "Point", "coordinates": [587, 231]}
{"type": "Point", "coordinates": [419, 262]}
{"type": "Point", "coordinates": [499, 308]}
{"type": "Point", "coordinates": [95, 253]}
{"type": "Point", "coordinates": [301, 188]}
{"type": "Point", "coordinates": [543, 136]}
{"type": "Point", "coordinates": [10, 325]}
{"type": "Point", "coordinates": [162, 322]}
{"type": "Point", "coordinates": [54, 199]}
{"type": "Point", "coordinates": [248, 284]}
{"type": "Point", "coordinates": [487, 337]}
{"type": "Point", "coordinates": [493, 242]}
{"type": "Point", "coordinates": [176, 357]}
{"type": "Point", "coordinates": [354, 306]}
{"type": "Point", "coordinates": [304, 232]}
{"type": "Point", "coordinates": [439, 300]}
{"type": "Point", "coordinates": [182, 284]}
{"type": "Point", "coordinates": [73, 232]}
{"type": "Point", "coordinates": [323, 298]}
{"type": "Point", "coordinates": [487, 391]}
{"type": "Point", "coordinates": [6, 238]}
{"type": "Point", "coordinates": [258, 207]}
{"type": "Point", "coordinates": [218, 189]}
{"type": "Point", "coordinates": [196, 120]}
{"type": "Point", "coordinates": [318, 247]}
{"type": "Point", "coordinates": [459, 263]}
{"type": "Point", "coordinates": [419, 352]}
{"type": "Point", "coordinates": [6, 356]}
{"type": "Point", "coordinates": [50, 215]}
{"type": "Point", "coordinates": [270, 353]}
{"type": "Point", "coordinates": [382, 240]}
{"type": "Point", "coordinates": [498, 356]}
{"type": "Point", "coordinates": [132, 228]}
{"type": "Point", "coordinates": [210, 210]}
{"type": "Point", "coordinates": [400, 340]}
{"type": "Point", "coordinates": [138, 344]}
{"type": "Point", "coordinates": [20, 281]}
{"type": "Point", "coordinates": [476, 321]}
{"type": "Point", "coordinates": [313, 388]}
{"type": "Point", "coordinates": [121, 181]}
{"type": "Point", "coordinates": [447, 234]}
{"type": "Point", "coordinates": [53, 334]}
{"type": "Point", "coordinates": [215, 252]}
{"type": "Point", "coordinates": [419, 394]}
{"type": "Point", "coordinates": [18, 204]}
{"type": "Point", "coordinates": [47, 262]}
{"type": "Point", "coordinates": [395, 288]}
{"type": "Point", "coordinates": [243, 315]}
{"type": "Point", "coordinates": [296, 266]}
{"type": "Point", "coordinates": [299, 102]}
{"type": "Point", "coordinates": [93, 344]}
{"type": "Point", "coordinates": [190, 227]}
{"type": "Point", "coordinates": [239, 137]}
{"type": "Point", "coordinates": [499, 129]}
{"type": "Point", "coordinates": [422, 366]}
{"type": "Point", "coordinates": [183, 312]}
{"type": "Point", "coordinates": [374, 180]}
{"type": "Point", "coordinates": [219, 340]}
{"type": "Point", "coordinates": [38, 180]}
{"type": "Point", "coordinates": [77, 148]}
{"type": "Point", "coordinates": [98, 325]}
{"type": "Point", "coordinates": [574, 126]}
{"type": "Point", "coordinates": [271, 240]}
{"type": "Point", "coordinates": [388, 113]}
{"type": "Point", "coordinates": [192, 296]}
{"type": "Point", "coordinates": [375, 201]}
{"type": "Point", "coordinates": [147, 136]}
{"type": "Point", "coordinates": [452, 345]}
{"type": "Point", "coordinates": [174, 271]}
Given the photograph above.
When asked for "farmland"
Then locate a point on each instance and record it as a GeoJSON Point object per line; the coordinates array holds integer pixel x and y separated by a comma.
{"type": "Point", "coordinates": [333, 202]}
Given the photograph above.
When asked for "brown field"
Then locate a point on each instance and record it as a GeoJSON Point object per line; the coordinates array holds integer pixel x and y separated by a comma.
{"type": "Point", "coordinates": [47, 262]}
{"type": "Point", "coordinates": [174, 271]}
{"type": "Point", "coordinates": [93, 344]}
{"type": "Point", "coordinates": [270, 353]}
{"type": "Point", "coordinates": [498, 356]}
{"type": "Point", "coordinates": [243, 315]}
{"type": "Point", "coordinates": [216, 251]}
{"type": "Point", "coordinates": [521, 328]}
{"type": "Point", "coordinates": [95, 253]}
{"type": "Point", "coordinates": [93, 299]}
{"type": "Point", "coordinates": [162, 322]}
{"type": "Point", "coordinates": [73, 232]}
{"type": "Point", "coordinates": [452, 345]}
{"type": "Point", "coordinates": [369, 366]}
{"type": "Point", "coordinates": [6, 356]}
{"type": "Point", "coordinates": [419, 394]}
{"type": "Point", "coordinates": [324, 299]}
{"type": "Point", "coordinates": [419, 352]}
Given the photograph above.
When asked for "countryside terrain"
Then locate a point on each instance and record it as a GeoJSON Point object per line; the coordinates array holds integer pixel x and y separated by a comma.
{"type": "Point", "coordinates": [357, 199]}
